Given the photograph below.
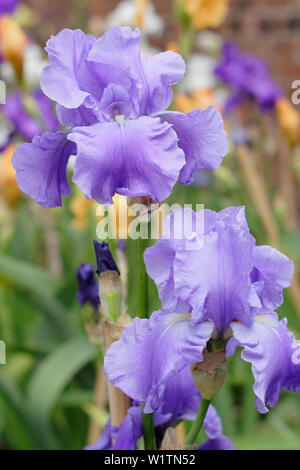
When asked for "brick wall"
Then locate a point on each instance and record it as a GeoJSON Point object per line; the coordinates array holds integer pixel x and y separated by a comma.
{"type": "Point", "coordinates": [268, 28]}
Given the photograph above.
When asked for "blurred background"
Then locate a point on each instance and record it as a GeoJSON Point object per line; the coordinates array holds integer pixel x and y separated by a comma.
{"type": "Point", "coordinates": [243, 57]}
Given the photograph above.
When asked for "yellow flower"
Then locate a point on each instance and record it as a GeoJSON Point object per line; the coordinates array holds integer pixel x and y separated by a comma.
{"type": "Point", "coordinates": [201, 98]}
{"type": "Point", "coordinates": [289, 120]}
{"type": "Point", "coordinates": [9, 189]}
{"type": "Point", "coordinates": [206, 13]}
{"type": "Point", "coordinates": [12, 43]}
{"type": "Point", "coordinates": [79, 207]}
{"type": "Point", "coordinates": [141, 6]}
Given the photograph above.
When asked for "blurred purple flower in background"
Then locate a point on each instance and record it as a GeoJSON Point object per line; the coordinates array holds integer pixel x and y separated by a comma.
{"type": "Point", "coordinates": [114, 99]}
{"type": "Point", "coordinates": [213, 283]}
{"type": "Point", "coordinates": [8, 6]}
{"type": "Point", "coordinates": [24, 123]}
{"type": "Point", "coordinates": [87, 285]}
{"type": "Point", "coordinates": [248, 77]}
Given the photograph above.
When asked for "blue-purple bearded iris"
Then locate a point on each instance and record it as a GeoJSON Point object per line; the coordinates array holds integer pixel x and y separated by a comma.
{"type": "Point", "coordinates": [214, 283]}
{"type": "Point", "coordinates": [127, 435]}
{"type": "Point", "coordinates": [114, 101]}
{"type": "Point", "coordinates": [248, 77]}
{"type": "Point", "coordinates": [8, 6]}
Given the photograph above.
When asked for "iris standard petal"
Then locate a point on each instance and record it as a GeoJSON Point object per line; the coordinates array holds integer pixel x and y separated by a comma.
{"type": "Point", "coordinates": [68, 79]}
{"type": "Point", "coordinates": [274, 355]}
{"type": "Point", "coordinates": [153, 76]}
{"type": "Point", "coordinates": [150, 352]}
{"type": "Point", "coordinates": [134, 158]}
{"type": "Point", "coordinates": [202, 138]}
{"type": "Point", "coordinates": [41, 167]}
{"type": "Point", "coordinates": [215, 279]}
{"type": "Point", "coordinates": [183, 231]}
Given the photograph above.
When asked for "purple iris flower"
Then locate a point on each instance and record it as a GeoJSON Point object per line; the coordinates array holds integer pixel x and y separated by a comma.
{"type": "Point", "coordinates": [114, 101]}
{"type": "Point", "coordinates": [87, 285]}
{"type": "Point", "coordinates": [8, 6]}
{"type": "Point", "coordinates": [26, 125]}
{"type": "Point", "coordinates": [214, 282]}
{"type": "Point", "coordinates": [248, 77]}
{"type": "Point", "coordinates": [127, 435]}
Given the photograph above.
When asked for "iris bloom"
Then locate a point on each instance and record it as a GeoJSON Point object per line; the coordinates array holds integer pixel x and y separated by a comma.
{"type": "Point", "coordinates": [214, 284]}
{"type": "Point", "coordinates": [127, 435]}
{"type": "Point", "coordinates": [247, 77]}
{"type": "Point", "coordinates": [114, 99]}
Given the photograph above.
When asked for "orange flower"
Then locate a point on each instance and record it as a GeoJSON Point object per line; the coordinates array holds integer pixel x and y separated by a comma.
{"type": "Point", "coordinates": [79, 207]}
{"type": "Point", "coordinates": [206, 13]}
{"type": "Point", "coordinates": [289, 120]}
{"type": "Point", "coordinates": [9, 189]}
{"type": "Point", "coordinates": [141, 6]}
{"type": "Point", "coordinates": [199, 99]}
{"type": "Point", "coordinates": [12, 43]}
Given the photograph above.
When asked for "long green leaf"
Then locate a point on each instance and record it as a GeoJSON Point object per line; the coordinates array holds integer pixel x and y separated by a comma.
{"type": "Point", "coordinates": [56, 371]}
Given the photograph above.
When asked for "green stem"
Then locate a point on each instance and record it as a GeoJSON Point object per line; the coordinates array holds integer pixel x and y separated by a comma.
{"type": "Point", "coordinates": [148, 430]}
{"type": "Point", "coordinates": [143, 285]}
{"type": "Point", "coordinates": [197, 424]}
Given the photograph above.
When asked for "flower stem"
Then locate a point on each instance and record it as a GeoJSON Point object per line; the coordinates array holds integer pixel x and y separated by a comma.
{"type": "Point", "coordinates": [143, 287]}
{"type": "Point", "coordinates": [148, 430]}
{"type": "Point", "coordinates": [197, 424]}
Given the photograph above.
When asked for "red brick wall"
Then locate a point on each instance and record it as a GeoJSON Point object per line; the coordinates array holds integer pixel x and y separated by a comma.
{"type": "Point", "coordinates": [268, 28]}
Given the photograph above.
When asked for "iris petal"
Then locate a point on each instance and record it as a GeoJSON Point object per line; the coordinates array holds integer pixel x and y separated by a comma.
{"type": "Point", "coordinates": [134, 158]}
{"type": "Point", "coordinates": [275, 357]}
{"type": "Point", "coordinates": [41, 167]}
{"type": "Point", "coordinates": [151, 352]}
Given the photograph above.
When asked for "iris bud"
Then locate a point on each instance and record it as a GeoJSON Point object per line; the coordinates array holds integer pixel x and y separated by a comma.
{"type": "Point", "coordinates": [209, 375]}
{"type": "Point", "coordinates": [109, 283]}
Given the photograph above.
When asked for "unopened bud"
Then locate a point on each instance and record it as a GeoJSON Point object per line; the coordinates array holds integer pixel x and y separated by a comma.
{"type": "Point", "coordinates": [110, 295]}
{"type": "Point", "coordinates": [209, 375]}
{"type": "Point", "coordinates": [109, 283]}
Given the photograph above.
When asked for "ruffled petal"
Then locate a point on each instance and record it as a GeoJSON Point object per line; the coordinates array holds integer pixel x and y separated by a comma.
{"type": "Point", "coordinates": [134, 158]}
{"type": "Point", "coordinates": [41, 167]}
{"type": "Point", "coordinates": [68, 80]}
{"type": "Point", "coordinates": [73, 81]}
{"type": "Point", "coordinates": [275, 357]}
{"type": "Point", "coordinates": [150, 352]}
{"type": "Point", "coordinates": [272, 272]}
{"type": "Point", "coordinates": [202, 138]}
{"type": "Point", "coordinates": [153, 76]}
{"type": "Point", "coordinates": [184, 231]}
{"type": "Point", "coordinates": [215, 278]}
